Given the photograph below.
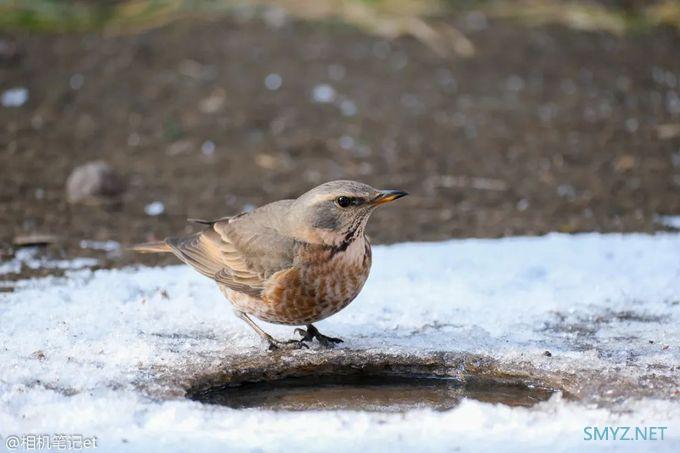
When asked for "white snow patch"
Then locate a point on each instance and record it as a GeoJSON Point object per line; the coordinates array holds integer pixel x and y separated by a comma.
{"type": "Point", "coordinates": [14, 97]}
{"type": "Point", "coordinates": [346, 142]}
{"type": "Point", "coordinates": [273, 81]}
{"type": "Point", "coordinates": [155, 208]}
{"type": "Point", "coordinates": [208, 148]}
{"type": "Point", "coordinates": [671, 221]}
{"type": "Point", "coordinates": [73, 347]}
{"type": "Point", "coordinates": [323, 93]}
{"type": "Point", "coordinates": [30, 258]}
{"type": "Point", "coordinates": [107, 246]}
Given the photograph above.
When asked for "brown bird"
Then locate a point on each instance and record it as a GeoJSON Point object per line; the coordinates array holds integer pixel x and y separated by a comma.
{"type": "Point", "coordinates": [292, 262]}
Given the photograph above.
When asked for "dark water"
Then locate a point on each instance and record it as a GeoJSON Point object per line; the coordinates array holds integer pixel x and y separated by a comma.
{"type": "Point", "coordinates": [368, 393]}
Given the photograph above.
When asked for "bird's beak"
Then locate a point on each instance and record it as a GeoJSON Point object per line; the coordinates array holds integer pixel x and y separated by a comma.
{"type": "Point", "coordinates": [385, 196]}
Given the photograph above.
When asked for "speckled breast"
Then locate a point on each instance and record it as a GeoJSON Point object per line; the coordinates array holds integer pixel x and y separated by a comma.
{"type": "Point", "coordinates": [322, 282]}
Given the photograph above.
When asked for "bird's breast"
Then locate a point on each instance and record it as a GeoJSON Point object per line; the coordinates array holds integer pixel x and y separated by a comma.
{"type": "Point", "coordinates": [322, 282]}
{"type": "Point", "coordinates": [335, 275]}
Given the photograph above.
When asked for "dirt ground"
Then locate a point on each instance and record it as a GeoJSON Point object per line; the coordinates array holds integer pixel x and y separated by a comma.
{"type": "Point", "coordinates": [543, 129]}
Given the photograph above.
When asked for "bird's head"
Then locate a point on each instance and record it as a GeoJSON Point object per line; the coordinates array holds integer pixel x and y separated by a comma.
{"type": "Point", "coordinates": [337, 211]}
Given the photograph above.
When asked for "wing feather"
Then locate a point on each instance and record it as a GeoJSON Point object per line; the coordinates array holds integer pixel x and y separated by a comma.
{"type": "Point", "coordinates": [240, 253]}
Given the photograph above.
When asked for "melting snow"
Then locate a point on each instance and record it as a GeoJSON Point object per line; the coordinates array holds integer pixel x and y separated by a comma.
{"type": "Point", "coordinates": [75, 347]}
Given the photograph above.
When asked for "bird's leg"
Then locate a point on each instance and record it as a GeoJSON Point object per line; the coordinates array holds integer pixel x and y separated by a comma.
{"type": "Point", "coordinates": [312, 332]}
{"type": "Point", "coordinates": [273, 343]}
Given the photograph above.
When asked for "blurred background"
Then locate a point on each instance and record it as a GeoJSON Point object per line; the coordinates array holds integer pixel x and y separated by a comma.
{"type": "Point", "coordinates": [121, 118]}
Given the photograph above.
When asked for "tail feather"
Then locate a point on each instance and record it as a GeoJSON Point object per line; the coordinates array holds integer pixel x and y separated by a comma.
{"type": "Point", "coordinates": [152, 247]}
{"type": "Point", "coordinates": [208, 222]}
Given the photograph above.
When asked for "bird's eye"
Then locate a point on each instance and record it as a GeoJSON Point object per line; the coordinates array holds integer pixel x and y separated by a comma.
{"type": "Point", "coordinates": [343, 202]}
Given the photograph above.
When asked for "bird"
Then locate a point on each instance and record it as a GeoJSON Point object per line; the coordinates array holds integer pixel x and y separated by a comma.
{"type": "Point", "coordinates": [291, 262]}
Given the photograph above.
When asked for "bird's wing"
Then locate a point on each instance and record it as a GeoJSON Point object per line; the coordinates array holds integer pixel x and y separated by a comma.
{"type": "Point", "coordinates": [241, 252]}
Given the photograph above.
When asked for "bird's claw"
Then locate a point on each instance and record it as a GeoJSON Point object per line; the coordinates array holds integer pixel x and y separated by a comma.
{"type": "Point", "coordinates": [312, 332]}
{"type": "Point", "coordinates": [275, 345]}
{"type": "Point", "coordinates": [328, 342]}
{"type": "Point", "coordinates": [304, 334]}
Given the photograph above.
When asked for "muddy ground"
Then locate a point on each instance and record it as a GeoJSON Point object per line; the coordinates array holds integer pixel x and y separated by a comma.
{"type": "Point", "coordinates": [543, 129]}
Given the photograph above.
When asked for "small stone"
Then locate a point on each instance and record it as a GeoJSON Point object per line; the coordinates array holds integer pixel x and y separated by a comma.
{"type": "Point", "coordinates": [30, 240]}
{"type": "Point", "coordinates": [93, 180]}
{"type": "Point", "coordinates": [266, 161]}
{"type": "Point", "coordinates": [547, 354]}
{"type": "Point", "coordinates": [214, 102]}
{"type": "Point", "coordinates": [668, 131]}
{"type": "Point", "coordinates": [624, 163]}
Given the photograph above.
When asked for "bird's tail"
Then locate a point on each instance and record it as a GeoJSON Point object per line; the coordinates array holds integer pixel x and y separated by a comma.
{"type": "Point", "coordinates": [152, 247]}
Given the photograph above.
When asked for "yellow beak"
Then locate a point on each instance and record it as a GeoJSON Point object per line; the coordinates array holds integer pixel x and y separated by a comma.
{"type": "Point", "coordinates": [385, 196]}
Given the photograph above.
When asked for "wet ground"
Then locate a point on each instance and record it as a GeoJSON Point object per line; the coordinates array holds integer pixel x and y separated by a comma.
{"type": "Point", "coordinates": [543, 129]}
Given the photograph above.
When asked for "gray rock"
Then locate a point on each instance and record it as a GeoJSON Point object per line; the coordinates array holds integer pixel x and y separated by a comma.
{"type": "Point", "coordinates": [94, 181]}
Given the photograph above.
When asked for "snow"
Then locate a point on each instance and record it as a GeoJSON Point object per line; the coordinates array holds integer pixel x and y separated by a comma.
{"type": "Point", "coordinates": [670, 221]}
{"type": "Point", "coordinates": [208, 148]}
{"type": "Point", "coordinates": [154, 208]}
{"type": "Point", "coordinates": [273, 81]}
{"type": "Point", "coordinates": [75, 348]}
{"type": "Point", "coordinates": [107, 246]}
{"type": "Point", "coordinates": [14, 97]}
{"type": "Point", "coordinates": [29, 257]}
{"type": "Point", "coordinates": [323, 93]}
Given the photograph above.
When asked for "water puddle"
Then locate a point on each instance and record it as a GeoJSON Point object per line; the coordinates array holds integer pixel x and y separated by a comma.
{"type": "Point", "coordinates": [368, 393]}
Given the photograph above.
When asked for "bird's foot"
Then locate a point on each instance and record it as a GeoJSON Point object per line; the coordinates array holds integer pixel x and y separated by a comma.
{"type": "Point", "coordinates": [312, 333]}
{"type": "Point", "coordinates": [275, 345]}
